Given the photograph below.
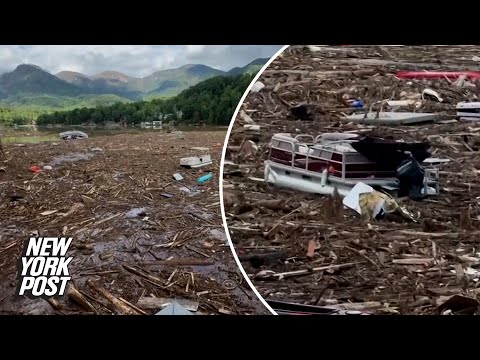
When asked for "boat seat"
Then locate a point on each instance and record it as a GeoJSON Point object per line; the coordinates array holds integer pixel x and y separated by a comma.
{"type": "Point", "coordinates": [304, 149]}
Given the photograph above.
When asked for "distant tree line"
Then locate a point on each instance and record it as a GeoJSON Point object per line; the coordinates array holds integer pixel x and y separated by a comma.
{"type": "Point", "coordinates": [11, 115]}
{"type": "Point", "coordinates": [212, 101]}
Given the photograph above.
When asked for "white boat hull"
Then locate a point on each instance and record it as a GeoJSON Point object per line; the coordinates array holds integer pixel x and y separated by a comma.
{"type": "Point", "coordinates": [73, 135]}
{"type": "Point", "coordinates": [194, 162]}
{"type": "Point", "coordinates": [317, 183]}
{"type": "Point", "coordinates": [391, 118]}
{"type": "Point", "coordinates": [199, 165]}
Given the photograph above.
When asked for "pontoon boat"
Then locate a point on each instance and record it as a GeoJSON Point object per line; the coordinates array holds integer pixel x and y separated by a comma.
{"type": "Point", "coordinates": [73, 135]}
{"type": "Point", "coordinates": [341, 160]}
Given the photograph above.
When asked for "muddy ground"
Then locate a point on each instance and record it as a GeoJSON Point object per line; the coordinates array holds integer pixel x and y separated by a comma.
{"type": "Point", "coordinates": [131, 241]}
{"type": "Point", "coordinates": [389, 266]}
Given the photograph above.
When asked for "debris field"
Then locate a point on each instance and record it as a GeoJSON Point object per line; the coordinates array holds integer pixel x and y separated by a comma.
{"type": "Point", "coordinates": [310, 249]}
{"type": "Point", "coordinates": [141, 239]}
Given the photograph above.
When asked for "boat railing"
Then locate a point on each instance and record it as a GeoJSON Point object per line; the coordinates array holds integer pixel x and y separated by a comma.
{"type": "Point", "coordinates": [339, 142]}
{"type": "Point", "coordinates": [316, 164]}
{"type": "Point", "coordinates": [299, 136]}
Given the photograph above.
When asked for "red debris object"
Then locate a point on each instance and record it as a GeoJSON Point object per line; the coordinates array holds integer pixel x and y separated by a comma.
{"type": "Point", "coordinates": [35, 169]}
{"type": "Point", "coordinates": [437, 74]}
{"type": "Point", "coordinates": [311, 249]}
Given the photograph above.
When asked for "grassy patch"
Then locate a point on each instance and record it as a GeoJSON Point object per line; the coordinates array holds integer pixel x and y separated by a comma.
{"type": "Point", "coordinates": [35, 139]}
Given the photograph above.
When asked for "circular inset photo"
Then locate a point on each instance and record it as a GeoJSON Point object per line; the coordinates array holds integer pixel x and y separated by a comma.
{"type": "Point", "coordinates": [350, 180]}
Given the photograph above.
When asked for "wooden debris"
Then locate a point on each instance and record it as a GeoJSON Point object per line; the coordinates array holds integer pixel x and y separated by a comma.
{"type": "Point", "coordinates": [76, 296]}
{"type": "Point", "coordinates": [152, 279]}
{"type": "Point", "coordinates": [181, 262]}
{"type": "Point", "coordinates": [197, 251]}
{"type": "Point", "coordinates": [120, 307]}
{"type": "Point", "coordinates": [48, 212]}
{"type": "Point", "coordinates": [132, 306]}
{"type": "Point", "coordinates": [270, 204]}
{"type": "Point", "coordinates": [424, 261]}
{"type": "Point", "coordinates": [310, 271]}
{"type": "Point", "coordinates": [369, 305]}
{"type": "Point", "coordinates": [362, 255]}
{"type": "Point", "coordinates": [9, 246]}
{"type": "Point", "coordinates": [55, 304]}
{"type": "Point", "coordinates": [153, 303]}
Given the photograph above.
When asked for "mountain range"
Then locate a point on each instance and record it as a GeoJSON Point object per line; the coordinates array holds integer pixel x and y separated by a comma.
{"type": "Point", "coordinates": [32, 85]}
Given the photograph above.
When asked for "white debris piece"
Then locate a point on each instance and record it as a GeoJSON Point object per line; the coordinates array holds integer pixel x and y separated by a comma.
{"type": "Point", "coordinates": [432, 161]}
{"type": "Point", "coordinates": [365, 200]}
{"type": "Point", "coordinates": [174, 309]}
{"type": "Point", "coordinates": [315, 48]}
{"type": "Point", "coordinates": [252, 127]}
{"type": "Point", "coordinates": [352, 200]}
{"type": "Point", "coordinates": [196, 161]}
{"type": "Point", "coordinates": [246, 118]}
{"type": "Point", "coordinates": [248, 148]}
{"type": "Point", "coordinates": [398, 103]}
{"type": "Point", "coordinates": [257, 87]}
{"type": "Point", "coordinates": [431, 93]}
{"type": "Point", "coordinates": [469, 110]}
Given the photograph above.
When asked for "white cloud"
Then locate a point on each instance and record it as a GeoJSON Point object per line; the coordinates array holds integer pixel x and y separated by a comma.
{"type": "Point", "coordinates": [6, 54]}
{"type": "Point", "coordinates": [133, 60]}
{"type": "Point", "coordinates": [195, 49]}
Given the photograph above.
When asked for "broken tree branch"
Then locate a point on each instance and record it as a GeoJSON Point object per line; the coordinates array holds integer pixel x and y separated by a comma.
{"type": "Point", "coordinates": [119, 306]}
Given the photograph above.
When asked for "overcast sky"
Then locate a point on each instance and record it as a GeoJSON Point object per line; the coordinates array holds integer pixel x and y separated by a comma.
{"type": "Point", "coordinates": [133, 60]}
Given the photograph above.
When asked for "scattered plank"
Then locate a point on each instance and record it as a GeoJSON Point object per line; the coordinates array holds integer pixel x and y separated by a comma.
{"type": "Point", "coordinates": [270, 204]}
{"type": "Point", "coordinates": [48, 212]}
{"type": "Point", "coordinates": [9, 246]}
{"type": "Point", "coordinates": [76, 296]}
{"type": "Point", "coordinates": [413, 261]}
{"type": "Point", "coordinates": [55, 304]}
{"type": "Point", "coordinates": [119, 306]}
{"type": "Point", "coordinates": [153, 303]}
{"type": "Point", "coordinates": [369, 305]}
{"type": "Point", "coordinates": [362, 255]}
{"type": "Point", "coordinates": [181, 262]}
{"type": "Point", "coordinates": [439, 235]}
{"type": "Point", "coordinates": [152, 279]}
{"type": "Point", "coordinates": [287, 274]}
{"type": "Point", "coordinates": [132, 306]}
{"type": "Point", "coordinates": [264, 256]}
{"type": "Point", "coordinates": [197, 251]}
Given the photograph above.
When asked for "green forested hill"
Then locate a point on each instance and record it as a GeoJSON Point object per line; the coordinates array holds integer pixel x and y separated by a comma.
{"type": "Point", "coordinates": [212, 101]}
{"type": "Point", "coordinates": [25, 109]}
{"type": "Point", "coordinates": [251, 68]}
{"type": "Point", "coordinates": [31, 79]}
{"type": "Point", "coordinates": [30, 91]}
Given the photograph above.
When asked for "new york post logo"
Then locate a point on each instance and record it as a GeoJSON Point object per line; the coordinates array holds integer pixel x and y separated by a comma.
{"type": "Point", "coordinates": [43, 267]}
